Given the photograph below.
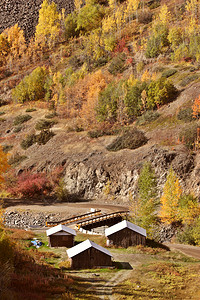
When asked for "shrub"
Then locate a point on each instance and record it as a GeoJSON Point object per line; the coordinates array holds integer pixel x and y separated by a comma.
{"type": "Point", "coordinates": [51, 115]}
{"type": "Point", "coordinates": [188, 80]}
{"type": "Point", "coordinates": [144, 16]}
{"type": "Point", "coordinates": [185, 114]}
{"type": "Point", "coordinates": [31, 88]}
{"type": "Point", "coordinates": [21, 119]}
{"type": "Point", "coordinates": [160, 92]}
{"type": "Point", "coordinates": [7, 148]}
{"type": "Point", "coordinates": [2, 120]}
{"type": "Point", "coordinates": [118, 64]}
{"type": "Point", "coordinates": [189, 136]}
{"type": "Point", "coordinates": [6, 249]}
{"type": "Point", "coordinates": [190, 233]}
{"type": "Point", "coordinates": [2, 113]}
{"type": "Point", "coordinates": [17, 129]}
{"type": "Point", "coordinates": [44, 124]}
{"type": "Point", "coordinates": [31, 109]}
{"type": "Point", "coordinates": [104, 129]}
{"type": "Point", "coordinates": [131, 140]}
{"type": "Point", "coordinates": [16, 159]}
{"type": "Point", "coordinates": [32, 185]}
{"type": "Point", "coordinates": [44, 137]}
{"type": "Point", "coordinates": [147, 117]}
{"type": "Point", "coordinates": [28, 141]}
{"type": "Point", "coordinates": [169, 72]}
{"type": "Point", "coordinates": [70, 26]}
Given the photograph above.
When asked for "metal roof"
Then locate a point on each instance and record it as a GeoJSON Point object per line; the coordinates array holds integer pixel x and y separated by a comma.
{"type": "Point", "coordinates": [84, 246]}
{"type": "Point", "coordinates": [125, 224]}
{"type": "Point", "coordinates": [58, 228]}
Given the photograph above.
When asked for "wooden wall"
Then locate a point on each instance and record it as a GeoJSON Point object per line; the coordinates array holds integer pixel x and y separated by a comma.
{"type": "Point", "coordinates": [125, 238]}
{"type": "Point", "coordinates": [61, 241]}
{"type": "Point", "coordinates": [91, 258]}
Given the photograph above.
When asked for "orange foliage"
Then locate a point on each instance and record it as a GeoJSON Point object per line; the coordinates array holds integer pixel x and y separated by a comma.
{"type": "Point", "coordinates": [3, 164]}
{"type": "Point", "coordinates": [196, 108]}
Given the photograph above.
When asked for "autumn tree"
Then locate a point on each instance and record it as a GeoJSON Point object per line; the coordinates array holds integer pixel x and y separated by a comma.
{"type": "Point", "coordinates": [189, 208]}
{"type": "Point", "coordinates": [3, 164]}
{"type": "Point", "coordinates": [196, 108]}
{"type": "Point", "coordinates": [170, 199]}
{"type": "Point", "coordinates": [48, 28]}
{"type": "Point", "coordinates": [147, 201]}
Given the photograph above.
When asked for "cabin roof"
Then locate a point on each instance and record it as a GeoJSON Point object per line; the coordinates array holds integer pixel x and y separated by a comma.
{"type": "Point", "coordinates": [125, 224]}
{"type": "Point", "coordinates": [60, 227]}
{"type": "Point", "coordinates": [84, 246]}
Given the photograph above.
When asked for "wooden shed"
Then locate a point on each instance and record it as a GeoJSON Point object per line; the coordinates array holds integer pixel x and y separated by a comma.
{"type": "Point", "coordinates": [88, 255]}
{"type": "Point", "coordinates": [125, 234]}
{"type": "Point", "coordinates": [61, 236]}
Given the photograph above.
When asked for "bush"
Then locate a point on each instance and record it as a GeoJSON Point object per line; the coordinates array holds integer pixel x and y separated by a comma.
{"type": "Point", "coordinates": [185, 114]}
{"type": "Point", "coordinates": [70, 26]}
{"type": "Point", "coordinates": [118, 64]}
{"type": "Point", "coordinates": [190, 234]}
{"type": "Point", "coordinates": [7, 148]}
{"type": "Point", "coordinates": [31, 88]}
{"type": "Point", "coordinates": [28, 141]}
{"type": "Point", "coordinates": [31, 109]}
{"type": "Point", "coordinates": [188, 80]}
{"type": "Point", "coordinates": [147, 117]}
{"type": "Point", "coordinates": [160, 92]}
{"type": "Point", "coordinates": [44, 124]}
{"type": "Point", "coordinates": [2, 113]}
{"type": "Point", "coordinates": [32, 185]}
{"type": "Point", "coordinates": [44, 137]}
{"type": "Point", "coordinates": [189, 136]}
{"type": "Point", "coordinates": [144, 16]}
{"type": "Point", "coordinates": [169, 72]}
{"type": "Point", "coordinates": [21, 119]}
{"type": "Point", "coordinates": [51, 115]}
{"type": "Point", "coordinates": [16, 159]}
{"type": "Point", "coordinates": [17, 129]}
{"type": "Point", "coordinates": [104, 129]}
{"type": "Point", "coordinates": [131, 140]}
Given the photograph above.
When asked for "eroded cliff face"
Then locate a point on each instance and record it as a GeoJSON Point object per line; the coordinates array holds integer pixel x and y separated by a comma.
{"type": "Point", "coordinates": [25, 13]}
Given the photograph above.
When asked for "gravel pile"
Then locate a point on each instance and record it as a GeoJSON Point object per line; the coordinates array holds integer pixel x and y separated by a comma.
{"type": "Point", "coordinates": [28, 219]}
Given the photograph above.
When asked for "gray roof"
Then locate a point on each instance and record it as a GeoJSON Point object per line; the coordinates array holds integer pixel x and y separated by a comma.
{"type": "Point", "coordinates": [125, 224]}
{"type": "Point", "coordinates": [58, 228]}
{"type": "Point", "coordinates": [84, 246]}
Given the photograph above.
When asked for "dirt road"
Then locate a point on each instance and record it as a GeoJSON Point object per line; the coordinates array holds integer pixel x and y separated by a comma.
{"type": "Point", "coordinates": [192, 251]}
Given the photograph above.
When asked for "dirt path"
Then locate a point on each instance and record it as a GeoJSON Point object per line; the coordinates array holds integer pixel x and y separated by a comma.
{"type": "Point", "coordinates": [66, 209]}
{"type": "Point", "coordinates": [192, 251]}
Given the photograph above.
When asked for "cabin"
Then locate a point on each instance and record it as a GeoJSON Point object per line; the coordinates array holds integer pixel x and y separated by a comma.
{"type": "Point", "coordinates": [125, 234]}
{"type": "Point", "coordinates": [61, 236]}
{"type": "Point", "coordinates": [88, 255]}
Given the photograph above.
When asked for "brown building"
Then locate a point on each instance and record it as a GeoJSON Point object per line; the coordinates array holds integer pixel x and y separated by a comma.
{"type": "Point", "coordinates": [61, 236]}
{"type": "Point", "coordinates": [88, 255]}
{"type": "Point", "coordinates": [125, 234]}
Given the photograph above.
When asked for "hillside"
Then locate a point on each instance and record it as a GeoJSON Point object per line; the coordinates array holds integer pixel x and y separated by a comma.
{"type": "Point", "coordinates": [95, 95]}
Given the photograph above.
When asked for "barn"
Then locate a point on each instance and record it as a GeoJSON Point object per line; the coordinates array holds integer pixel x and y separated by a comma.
{"type": "Point", "coordinates": [125, 234]}
{"type": "Point", "coordinates": [61, 236]}
{"type": "Point", "coordinates": [88, 255]}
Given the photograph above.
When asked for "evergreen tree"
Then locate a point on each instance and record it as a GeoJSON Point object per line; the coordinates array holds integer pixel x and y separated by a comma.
{"type": "Point", "coordinates": [144, 209]}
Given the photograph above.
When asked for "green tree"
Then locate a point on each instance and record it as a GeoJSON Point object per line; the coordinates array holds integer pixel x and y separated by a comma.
{"type": "Point", "coordinates": [147, 202]}
{"type": "Point", "coordinates": [48, 28]}
{"type": "Point", "coordinates": [170, 199]}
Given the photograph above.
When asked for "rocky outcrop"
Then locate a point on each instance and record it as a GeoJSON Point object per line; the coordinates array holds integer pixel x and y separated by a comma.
{"type": "Point", "coordinates": [25, 13]}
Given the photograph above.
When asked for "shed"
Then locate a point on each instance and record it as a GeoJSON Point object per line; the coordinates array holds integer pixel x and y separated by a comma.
{"type": "Point", "coordinates": [61, 236]}
{"type": "Point", "coordinates": [88, 255]}
{"type": "Point", "coordinates": [125, 234]}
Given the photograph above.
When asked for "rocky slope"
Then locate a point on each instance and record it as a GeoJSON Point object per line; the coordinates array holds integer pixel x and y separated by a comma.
{"type": "Point", "coordinates": [91, 171]}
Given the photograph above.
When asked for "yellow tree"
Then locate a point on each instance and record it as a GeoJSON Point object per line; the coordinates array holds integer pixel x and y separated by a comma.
{"type": "Point", "coordinates": [3, 164]}
{"type": "Point", "coordinates": [16, 42]}
{"type": "Point", "coordinates": [172, 192]}
{"type": "Point", "coordinates": [48, 28]}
